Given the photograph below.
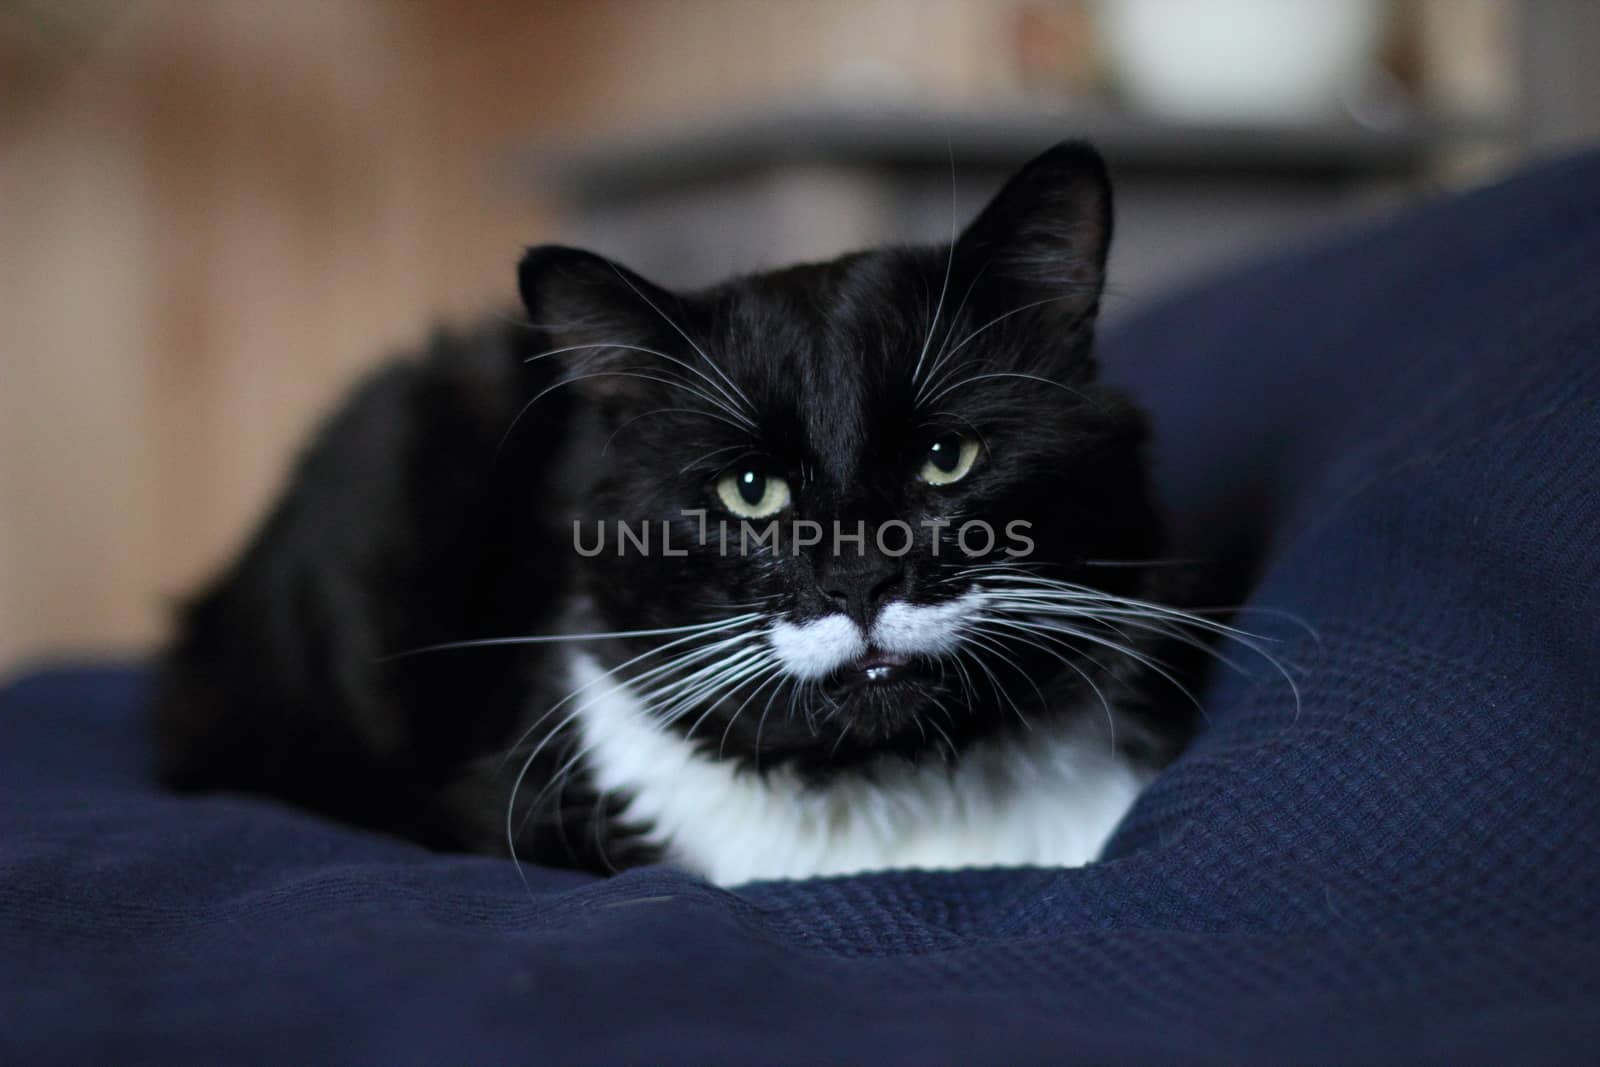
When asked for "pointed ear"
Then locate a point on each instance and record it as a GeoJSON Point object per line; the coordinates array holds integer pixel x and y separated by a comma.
{"type": "Point", "coordinates": [568, 292]}
{"type": "Point", "coordinates": [601, 318]}
{"type": "Point", "coordinates": [1045, 234]}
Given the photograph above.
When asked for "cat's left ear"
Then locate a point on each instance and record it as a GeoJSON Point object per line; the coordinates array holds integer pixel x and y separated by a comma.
{"type": "Point", "coordinates": [1044, 236]}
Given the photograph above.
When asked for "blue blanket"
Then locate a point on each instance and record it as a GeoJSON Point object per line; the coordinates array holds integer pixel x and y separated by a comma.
{"type": "Point", "coordinates": [1394, 437]}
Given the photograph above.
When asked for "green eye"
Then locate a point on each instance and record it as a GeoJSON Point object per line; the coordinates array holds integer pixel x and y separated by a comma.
{"type": "Point", "coordinates": [752, 494]}
{"type": "Point", "coordinates": [950, 457]}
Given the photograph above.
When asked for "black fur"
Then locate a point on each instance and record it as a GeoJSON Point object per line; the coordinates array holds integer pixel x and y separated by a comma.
{"type": "Point", "coordinates": [438, 506]}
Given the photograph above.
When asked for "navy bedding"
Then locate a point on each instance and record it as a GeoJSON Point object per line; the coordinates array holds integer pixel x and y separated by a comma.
{"type": "Point", "coordinates": [1394, 436]}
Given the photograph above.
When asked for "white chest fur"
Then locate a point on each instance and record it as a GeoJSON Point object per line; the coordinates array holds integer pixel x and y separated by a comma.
{"type": "Point", "coordinates": [1049, 797]}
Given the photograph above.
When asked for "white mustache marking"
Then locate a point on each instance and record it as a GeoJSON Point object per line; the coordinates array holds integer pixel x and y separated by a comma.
{"type": "Point", "coordinates": [815, 649]}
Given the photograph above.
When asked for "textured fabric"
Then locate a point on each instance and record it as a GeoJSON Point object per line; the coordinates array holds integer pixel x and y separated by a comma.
{"type": "Point", "coordinates": [1394, 438]}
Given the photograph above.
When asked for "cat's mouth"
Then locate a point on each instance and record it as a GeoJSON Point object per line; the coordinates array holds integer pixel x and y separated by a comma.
{"type": "Point", "coordinates": [874, 667]}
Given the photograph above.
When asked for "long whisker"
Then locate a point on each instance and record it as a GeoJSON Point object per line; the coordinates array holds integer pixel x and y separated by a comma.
{"type": "Point", "coordinates": [1163, 623]}
{"type": "Point", "coordinates": [1054, 586]}
{"type": "Point", "coordinates": [950, 746]}
{"type": "Point", "coordinates": [1134, 654]}
{"type": "Point", "coordinates": [761, 722]}
{"type": "Point", "coordinates": [1027, 637]}
{"type": "Point", "coordinates": [703, 457]}
{"type": "Point", "coordinates": [577, 757]}
{"type": "Point", "coordinates": [947, 390]}
{"type": "Point", "coordinates": [678, 662]}
{"type": "Point", "coordinates": [656, 411]}
{"type": "Point", "coordinates": [1031, 593]}
{"type": "Point", "coordinates": [688, 692]}
{"type": "Point", "coordinates": [949, 261]}
{"type": "Point", "coordinates": [674, 383]}
{"type": "Point", "coordinates": [971, 633]}
{"type": "Point", "coordinates": [774, 673]}
{"type": "Point", "coordinates": [696, 631]}
{"type": "Point", "coordinates": [943, 354]}
{"type": "Point", "coordinates": [600, 635]}
{"type": "Point", "coordinates": [684, 334]}
{"type": "Point", "coordinates": [1014, 311]}
{"type": "Point", "coordinates": [726, 402]}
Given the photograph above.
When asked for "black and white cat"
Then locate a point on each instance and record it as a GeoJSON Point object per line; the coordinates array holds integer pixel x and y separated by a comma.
{"type": "Point", "coordinates": [827, 569]}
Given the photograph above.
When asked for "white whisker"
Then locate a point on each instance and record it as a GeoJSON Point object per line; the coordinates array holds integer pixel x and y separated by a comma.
{"type": "Point", "coordinates": [949, 262]}
{"type": "Point", "coordinates": [727, 403]}
{"type": "Point", "coordinates": [694, 632]}
{"type": "Point", "coordinates": [602, 635]}
{"type": "Point", "coordinates": [1015, 592]}
{"type": "Point", "coordinates": [684, 334]}
{"type": "Point", "coordinates": [945, 391]}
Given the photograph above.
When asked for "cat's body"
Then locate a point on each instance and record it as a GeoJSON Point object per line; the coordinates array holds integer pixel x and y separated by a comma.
{"type": "Point", "coordinates": [894, 693]}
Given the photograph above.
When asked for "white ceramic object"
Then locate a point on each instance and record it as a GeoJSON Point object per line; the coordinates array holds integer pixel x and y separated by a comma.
{"type": "Point", "coordinates": [1231, 60]}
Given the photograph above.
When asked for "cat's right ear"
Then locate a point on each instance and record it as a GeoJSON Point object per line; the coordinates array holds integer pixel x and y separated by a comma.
{"type": "Point", "coordinates": [574, 294]}
{"type": "Point", "coordinates": [606, 325]}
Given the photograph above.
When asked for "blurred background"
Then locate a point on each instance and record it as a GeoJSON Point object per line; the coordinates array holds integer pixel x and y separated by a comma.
{"type": "Point", "coordinates": [214, 214]}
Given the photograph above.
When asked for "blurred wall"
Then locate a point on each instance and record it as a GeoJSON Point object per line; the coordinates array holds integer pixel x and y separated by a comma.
{"type": "Point", "coordinates": [213, 214]}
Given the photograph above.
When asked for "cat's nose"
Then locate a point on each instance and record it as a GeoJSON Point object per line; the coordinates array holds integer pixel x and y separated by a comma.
{"type": "Point", "coordinates": [858, 586]}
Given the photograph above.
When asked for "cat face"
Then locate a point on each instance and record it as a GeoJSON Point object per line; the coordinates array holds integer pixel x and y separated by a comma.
{"type": "Point", "coordinates": [820, 480]}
